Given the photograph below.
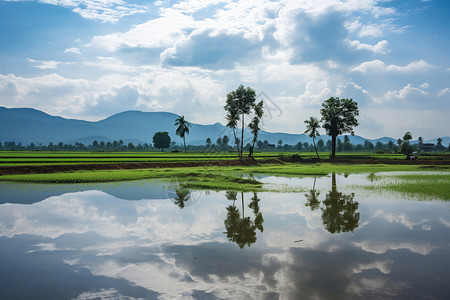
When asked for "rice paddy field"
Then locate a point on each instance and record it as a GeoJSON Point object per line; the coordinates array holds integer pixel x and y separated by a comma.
{"type": "Point", "coordinates": [12, 158]}
{"type": "Point", "coordinates": [415, 179]}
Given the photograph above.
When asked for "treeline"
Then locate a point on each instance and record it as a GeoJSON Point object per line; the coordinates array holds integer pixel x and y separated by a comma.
{"type": "Point", "coordinates": [222, 144]}
{"type": "Point", "coordinates": [95, 146]}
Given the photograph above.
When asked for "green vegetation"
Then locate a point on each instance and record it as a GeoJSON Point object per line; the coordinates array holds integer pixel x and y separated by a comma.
{"type": "Point", "coordinates": [338, 117]}
{"type": "Point", "coordinates": [182, 129]}
{"type": "Point", "coordinates": [419, 185]}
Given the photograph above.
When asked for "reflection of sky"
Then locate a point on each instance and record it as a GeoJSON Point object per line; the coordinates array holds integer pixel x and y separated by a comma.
{"type": "Point", "coordinates": [89, 244]}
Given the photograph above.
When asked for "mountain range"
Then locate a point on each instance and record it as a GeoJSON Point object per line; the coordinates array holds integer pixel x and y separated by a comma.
{"type": "Point", "coordinates": [27, 125]}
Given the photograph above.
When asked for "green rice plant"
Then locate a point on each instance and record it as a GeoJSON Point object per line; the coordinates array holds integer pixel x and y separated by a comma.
{"type": "Point", "coordinates": [423, 186]}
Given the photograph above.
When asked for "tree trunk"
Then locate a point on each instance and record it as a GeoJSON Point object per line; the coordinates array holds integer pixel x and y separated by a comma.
{"type": "Point", "coordinates": [315, 148]}
{"type": "Point", "coordinates": [184, 141]}
{"type": "Point", "coordinates": [333, 182]}
{"type": "Point", "coordinates": [237, 144]}
{"type": "Point", "coordinates": [242, 137]}
{"type": "Point", "coordinates": [333, 146]}
{"type": "Point", "coordinates": [242, 196]}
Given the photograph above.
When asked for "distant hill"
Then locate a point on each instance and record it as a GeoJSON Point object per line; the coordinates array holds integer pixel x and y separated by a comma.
{"type": "Point", "coordinates": [27, 125]}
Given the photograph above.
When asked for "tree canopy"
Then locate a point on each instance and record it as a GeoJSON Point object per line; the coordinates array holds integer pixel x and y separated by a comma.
{"type": "Point", "coordinates": [161, 140]}
{"type": "Point", "coordinates": [338, 117]}
{"type": "Point", "coordinates": [238, 104]}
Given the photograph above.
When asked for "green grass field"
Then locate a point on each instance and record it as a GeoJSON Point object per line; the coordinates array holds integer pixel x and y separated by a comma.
{"type": "Point", "coordinates": [221, 177]}
{"type": "Point", "coordinates": [61, 157]}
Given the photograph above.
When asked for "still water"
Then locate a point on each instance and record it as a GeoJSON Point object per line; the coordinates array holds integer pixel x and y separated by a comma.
{"type": "Point", "coordinates": [152, 240]}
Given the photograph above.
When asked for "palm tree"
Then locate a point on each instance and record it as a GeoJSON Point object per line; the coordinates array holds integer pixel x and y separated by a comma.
{"type": "Point", "coordinates": [254, 124]}
{"type": "Point", "coordinates": [420, 139]}
{"type": "Point", "coordinates": [233, 118]}
{"type": "Point", "coordinates": [183, 128]}
{"type": "Point", "coordinates": [311, 129]}
{"type": "Point", "coordinates": [407, 136]}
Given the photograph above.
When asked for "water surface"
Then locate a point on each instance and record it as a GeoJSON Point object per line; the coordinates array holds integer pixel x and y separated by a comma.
{"type": "Point", "coordinates": [149, 240]}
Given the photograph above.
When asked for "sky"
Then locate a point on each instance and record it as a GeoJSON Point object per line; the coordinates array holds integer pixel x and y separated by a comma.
{"type": "Point", "coordinates": [89, 59]}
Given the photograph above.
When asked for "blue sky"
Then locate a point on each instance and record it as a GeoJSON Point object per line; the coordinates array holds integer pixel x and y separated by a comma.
{"type": "Point", "coordinates": [88, 59]}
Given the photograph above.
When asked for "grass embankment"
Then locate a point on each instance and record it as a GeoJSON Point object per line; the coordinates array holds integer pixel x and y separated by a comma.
{"type": "Point", "coordinates": [215, 177]}
{"type": "Point", "coordinates": [17, 158]}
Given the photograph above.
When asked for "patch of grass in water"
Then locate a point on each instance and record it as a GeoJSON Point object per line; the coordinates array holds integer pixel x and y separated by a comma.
{"type": "Point", "coordinates": [434, 186]}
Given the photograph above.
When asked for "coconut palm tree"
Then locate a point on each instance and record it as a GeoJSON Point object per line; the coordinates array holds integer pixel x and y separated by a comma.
{"type": "Point", "coordinates": [312, 125]}
{"type": "Point", "coordinates": [182, 129]}
{"type": "Point", "coordinates": [407, 137]}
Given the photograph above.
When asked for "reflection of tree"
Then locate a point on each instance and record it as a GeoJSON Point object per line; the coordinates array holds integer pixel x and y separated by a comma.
{"type": "Point", "coordinates": [339, 214]}
{"type": "Point", "coordinates": [181, 195]}
{"type": "Point", "coordinates": [254, 205]}
{"type": "Point", "coordinates": [241, 229]}
{"type": "Point", "coordinates": [312, 197]}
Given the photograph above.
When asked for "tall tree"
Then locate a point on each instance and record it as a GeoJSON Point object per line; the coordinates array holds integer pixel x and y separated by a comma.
{"type": "Point", "coordinates": [420, 139]}
{"type": "Point", "coordinates": [161, 140]}
{"type": "Point", "coordinates": [405, 147]}
{"type": "Point", "coordinates": [182, 129]}
{"type": "Point", "coordinates": [312, 126]}
{"type": "Point", "coordinates": [233, 118]}
{"type": "Point", "coordinates": [240, 102]}
{"type": "Point", "coordinates": [254, 124]}
{"type": "Point", "coordinates": [338, 117]}
{"type": "Point", "coordinates": [407, 136]}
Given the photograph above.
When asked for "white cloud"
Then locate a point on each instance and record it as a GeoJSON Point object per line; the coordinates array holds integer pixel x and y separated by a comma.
{"type": "Point", "coordinates": [380, 47]}
{"type": "Point", "coordinates": [379, 66]}
{"type": "Point", "coordinates": [73, 50]}
{"type": "Point", "coordinates": [403, 93]}
{"type": "Point", "coordinates": [160, 32]}
{"type": "Point", "coordinates": [105, 11]}
{"type": "Point", "coordinates": [443, 92]}
{"type": "Point", "coordinates": [45, 65]}
{"type": "Point", "coordinates": [425, 85]}
{"type": "Point", "coordinates": [370, 31]}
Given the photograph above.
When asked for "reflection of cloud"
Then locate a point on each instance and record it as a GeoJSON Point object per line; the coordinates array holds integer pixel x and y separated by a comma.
{"type": "Point", "coordinates": [383, 247]}
{"type": "Point", "coordinates": [444, 221]}
{"type": "Point", "coordinates": [383, 266]}
{"type": "Point", "coordinates": [398, 218]}
{"type": "Point", "coordinates": [103, 294]}
{"type": "Point", "coordinates": [155, 247]}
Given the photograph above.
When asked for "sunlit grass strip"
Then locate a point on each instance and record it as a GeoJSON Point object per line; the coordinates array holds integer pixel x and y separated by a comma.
{"type": "Point", "coordinates": [282, 170]}
{"type": "Point", "coordinates": [424, 186]}
{"type": "Point", "coordinates": [327, 168]}
{"type": "Point", "coordinates": [187, 177]}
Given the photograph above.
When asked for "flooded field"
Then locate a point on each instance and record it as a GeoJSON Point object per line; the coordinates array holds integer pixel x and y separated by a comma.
{"type": "Point", "coordinates": [336, 239]}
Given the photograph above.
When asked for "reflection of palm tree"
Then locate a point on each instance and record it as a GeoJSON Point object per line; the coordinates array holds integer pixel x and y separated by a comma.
{"type": "Point", "coordinates": [254, 205]}
{"type": "Point", "coordinates": [312, 197]}
{"type": "Point", "coordinates": [181, 195]}
{"type": "Point", "coordinates": [242, 230]}
{"type": "Point", "coordinates": [339, 214]}
{"type": "Point", "coordinates": [232, 196]}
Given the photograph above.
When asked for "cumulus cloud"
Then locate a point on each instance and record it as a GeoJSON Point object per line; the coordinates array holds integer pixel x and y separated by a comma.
{"type": "Point", "coordinates": [379, 66]}
{"type": "Point", "coordinates": [370, 31]}
{"type": "Point", "coordinates": [73, 50]}
{"type": "Point", "coordinates": [212, 51]}
{"type": "Point", "coordinates": [45, 64]}
{"type": "Point", "coordinates": [380, 47]}
{"type": "Point", "coordinates": [105, 11]}
{"type": "Point", "coordinates": [404, 93]}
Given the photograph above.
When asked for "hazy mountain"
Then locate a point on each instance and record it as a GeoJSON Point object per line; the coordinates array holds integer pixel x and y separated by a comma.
{"type": "Point", "coordinates": [26, 125]}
